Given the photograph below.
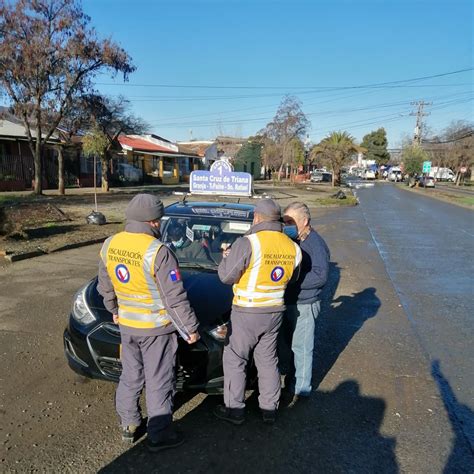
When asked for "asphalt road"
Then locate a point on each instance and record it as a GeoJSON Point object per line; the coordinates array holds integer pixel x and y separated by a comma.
{"type": "Point", "coordinates": [377, 407]}
{"type": "Point", "coordinates": [427, 247]}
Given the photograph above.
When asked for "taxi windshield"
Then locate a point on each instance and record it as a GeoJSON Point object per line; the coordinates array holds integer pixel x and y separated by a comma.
{"type": "Point", "coordinates": [199, 241]}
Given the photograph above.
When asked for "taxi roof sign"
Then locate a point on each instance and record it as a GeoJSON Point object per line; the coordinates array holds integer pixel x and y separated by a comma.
{"type": "Point", "coordinates": [221, 179]}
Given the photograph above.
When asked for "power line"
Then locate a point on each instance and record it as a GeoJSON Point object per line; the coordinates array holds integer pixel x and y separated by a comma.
{"type": "Point", "coordinates": [324, 113]}
{"type": "Point", "coordinates": [201, 86]}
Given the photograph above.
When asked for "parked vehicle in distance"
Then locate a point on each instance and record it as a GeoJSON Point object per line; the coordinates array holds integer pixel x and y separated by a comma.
{"type": "Point", "coordinates": [316, 176]}
{"type": "Point", "coordinates": [426, 182]}
{"type": "Point", "coordinates": [368, 174]}
{"type": "Point", "coordinates": [321, 175]}
{"type": "Point", "coordinates": [395, 174]}
{"type": "Point", "coordinates": [442, 174]}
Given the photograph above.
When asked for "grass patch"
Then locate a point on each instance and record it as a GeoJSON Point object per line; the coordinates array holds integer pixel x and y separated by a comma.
{"type": "Point", "coordinates": [6, 198]}
{"type": "Point", "coordinates": [330, 201]}
{"type": "Point", "coordinates": [467, 200]}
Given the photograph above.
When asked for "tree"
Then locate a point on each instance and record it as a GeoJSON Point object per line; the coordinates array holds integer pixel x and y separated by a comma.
{"type": "Point", "coordinates": [289, 123]}
{"type": "Point", "coordinates": [73, 123]}
{"type": "Point", "coordinates": [459, 147]}
{"type": "Point", "coordinates": [337, 149]}
{"type": "Point", "coordinates": [49, 55]}
{"type": "Point", "coordinates": [376, 144]}
{"type": "Point", "coordinates": [109, 119]}
{"type": "Point", "coordinates": [412, 159]}
{"type": "Point", "coordinates": [453, 148]}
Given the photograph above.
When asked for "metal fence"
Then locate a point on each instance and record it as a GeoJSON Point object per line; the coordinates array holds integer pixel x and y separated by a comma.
{"type": "Point", "coordinates": [21, 169]}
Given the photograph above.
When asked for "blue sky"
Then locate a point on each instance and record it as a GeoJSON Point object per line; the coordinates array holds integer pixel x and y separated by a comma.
{"type": "Point", "coordinates": [279, 47]}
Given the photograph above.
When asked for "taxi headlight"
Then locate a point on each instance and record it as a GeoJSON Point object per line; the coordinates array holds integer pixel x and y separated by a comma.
{"type": "Point", "coordinates": [219, 333]}
{"type": "Point", "coordinates": [80, 310]}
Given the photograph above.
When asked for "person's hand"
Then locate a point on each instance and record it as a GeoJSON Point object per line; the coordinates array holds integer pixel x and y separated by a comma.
{"type": "Point", "coordinates": [225, 247]}
{"type": "Point", "coordinates": [194, 337]}
{"type": "Point", "coordinates": [115, 318]}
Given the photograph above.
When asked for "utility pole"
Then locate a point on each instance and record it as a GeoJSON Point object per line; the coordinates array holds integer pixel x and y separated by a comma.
{"type": "Point", "coordinates": [420, 113]}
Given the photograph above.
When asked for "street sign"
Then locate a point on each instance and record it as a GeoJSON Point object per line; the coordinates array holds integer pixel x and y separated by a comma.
{"type": "Point", "coordinates": [221, 179]}
{"type": "Point", "coordinates": [426, 166]}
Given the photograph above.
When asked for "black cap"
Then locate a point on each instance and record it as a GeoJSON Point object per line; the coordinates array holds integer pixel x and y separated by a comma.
{"type": "Point", "coordinates": [268, 208]}
{"type": "Point", "coordinates": [144, 208]}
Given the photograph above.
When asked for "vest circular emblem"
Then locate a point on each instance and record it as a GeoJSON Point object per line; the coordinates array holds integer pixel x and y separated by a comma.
{"type": "Point", "coordinates": [277, 274]}
{"type": "Point", "coordinates": [122, 273]}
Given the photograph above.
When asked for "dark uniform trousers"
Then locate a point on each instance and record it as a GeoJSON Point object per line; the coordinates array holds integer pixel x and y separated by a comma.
{"type": "Point", "coordinates": [257, 332]}
{"type": "Point", "coordinates": [149, 361]}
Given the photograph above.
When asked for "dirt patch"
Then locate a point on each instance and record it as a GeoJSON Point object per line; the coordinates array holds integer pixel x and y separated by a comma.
{"type": "Point", "coordinates": [45, 227]}
{"type": "Point", "coordinates": [16, 218]}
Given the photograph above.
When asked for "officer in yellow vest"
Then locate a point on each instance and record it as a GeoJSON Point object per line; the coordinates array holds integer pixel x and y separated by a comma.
{"type": "Point", "coordinates": [259, 265]}
{"type": "Point", "coordinates": [141, 285]}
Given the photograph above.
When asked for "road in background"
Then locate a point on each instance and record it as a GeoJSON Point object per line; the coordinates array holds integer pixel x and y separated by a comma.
{"type": "Point", "coordinates": [428, 246]}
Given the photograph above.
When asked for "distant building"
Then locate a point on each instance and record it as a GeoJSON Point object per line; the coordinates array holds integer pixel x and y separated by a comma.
{"type": "Point", "coordinates": [205, 149]}
{"type": "Point", "coordinates": [16, 159]}
{"type": "Point", "coordinates": [158, 159]}
{"type": "Point", "coordinates": [243, 153]}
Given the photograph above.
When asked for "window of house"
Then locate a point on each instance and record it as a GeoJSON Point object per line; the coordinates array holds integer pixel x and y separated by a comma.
{"type": "Point", "coordinates": [136, 161]}
{"type": "Point", "coordinates": [168, 166]}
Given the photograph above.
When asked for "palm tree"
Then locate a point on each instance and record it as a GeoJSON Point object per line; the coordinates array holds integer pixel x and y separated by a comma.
{"type": "Point", "coordinates": [337, 148]}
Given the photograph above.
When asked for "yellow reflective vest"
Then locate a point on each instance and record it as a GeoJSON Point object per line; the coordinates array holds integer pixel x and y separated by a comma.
{"type": "Point", "coordinates": [130, 262]}
{"type": "Point", "coordinates": [273, 261]}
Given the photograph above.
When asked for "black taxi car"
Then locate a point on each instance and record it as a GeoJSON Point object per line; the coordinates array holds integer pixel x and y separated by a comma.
{"type": "Point", "coordinates": [198, 232]}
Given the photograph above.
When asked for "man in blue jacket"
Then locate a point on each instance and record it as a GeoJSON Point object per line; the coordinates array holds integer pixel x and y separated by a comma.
{"type": "Point", "coordinates": [302, 302]}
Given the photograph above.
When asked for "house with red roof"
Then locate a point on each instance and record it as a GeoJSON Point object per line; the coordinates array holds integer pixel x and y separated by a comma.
{"type": "Point", "coordinates": [160, 160]}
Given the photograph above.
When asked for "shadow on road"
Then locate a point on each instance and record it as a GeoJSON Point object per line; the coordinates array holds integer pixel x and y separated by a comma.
{"type": "Point", "coordinates": [338, 322]}
{"type": "Point", "coordinates": [461, 417]}
{"type": "Point", "coordinates": [335, 431]}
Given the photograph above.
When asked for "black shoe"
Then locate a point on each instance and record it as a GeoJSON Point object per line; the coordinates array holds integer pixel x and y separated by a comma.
{"type": "Point", "coordinates": [227, 414]}
{"type": "Point", "coordinates": [269, 416]}
{"type": "Point", "coordinates": [173, 440]}
{"type": "Point", "coordinates": [128, 433]}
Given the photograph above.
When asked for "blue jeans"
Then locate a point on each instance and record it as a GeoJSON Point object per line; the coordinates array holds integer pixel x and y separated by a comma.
{"type": "Point", "coordinates": [296, 344]}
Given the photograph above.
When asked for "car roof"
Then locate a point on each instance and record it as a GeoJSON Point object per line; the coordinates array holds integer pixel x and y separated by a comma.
{"type": "Point", "coordinates": [243, 212]}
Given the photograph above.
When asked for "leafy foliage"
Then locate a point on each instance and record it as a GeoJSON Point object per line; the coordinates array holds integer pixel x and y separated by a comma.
{"type": "Point", "coordinates": [108, 119]}
{"type": "Point", "coordinates": [412, 158]}
{"type": "Point", "coordinates": [337, 149]}
{"type": "Point", "coordinates": [376, 144]}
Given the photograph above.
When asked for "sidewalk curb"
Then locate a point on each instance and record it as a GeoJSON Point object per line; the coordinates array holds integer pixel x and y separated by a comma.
{"type": "Point", "coordinates": [37, 253]}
